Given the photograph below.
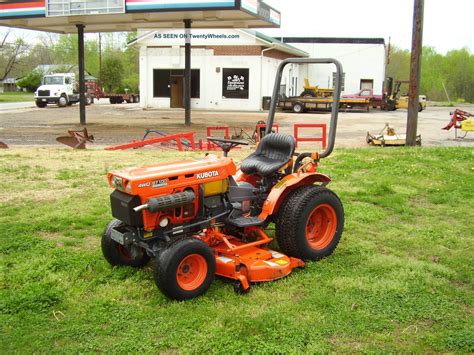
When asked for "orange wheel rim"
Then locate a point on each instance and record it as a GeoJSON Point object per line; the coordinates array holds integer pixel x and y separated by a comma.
{"type": "Point", "coordinates": [191, 272]}
{"type": "Point", "coordinates": [321, 226]}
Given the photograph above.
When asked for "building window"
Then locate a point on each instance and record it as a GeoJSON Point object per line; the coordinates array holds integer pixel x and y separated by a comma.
{"type": "Point", "coordinates": [343, 81]}
{"type": "Point", "coordinates": [162, 79]}
{"type": "Point", "coordinates": [235, 83]}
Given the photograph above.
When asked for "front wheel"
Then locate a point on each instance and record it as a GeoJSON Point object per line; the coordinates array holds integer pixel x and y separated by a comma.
{"type": "Point", "coordinates": [310, 223]}
{"type": "Point", "coordinates": [185, 269]}
{"type": "Point", "coordinates": [41, 104]}
{"type": "Point", "coordinates": [117, 254]}
{"type": "Point", "coordinates": [63, 101]}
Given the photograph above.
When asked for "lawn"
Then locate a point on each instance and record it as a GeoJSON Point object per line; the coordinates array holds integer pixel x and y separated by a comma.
{"type": "Point", "coordinates": [401, 279]}
{"type": "Point", "coordinates": [16, 97]}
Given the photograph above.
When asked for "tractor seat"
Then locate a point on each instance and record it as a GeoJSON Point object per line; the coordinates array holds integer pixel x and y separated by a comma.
{"type": "Point", "coordinates": [274, 152]}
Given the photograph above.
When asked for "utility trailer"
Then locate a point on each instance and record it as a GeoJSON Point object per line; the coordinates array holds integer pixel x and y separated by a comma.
{"type": "Point", "coordinates": [300, 104]}
{"type": "Point", "coordinates": [94, 89]}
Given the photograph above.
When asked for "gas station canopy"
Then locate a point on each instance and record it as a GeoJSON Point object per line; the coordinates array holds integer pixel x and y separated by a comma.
{"type": "Point", "coordinates": [62, 16]}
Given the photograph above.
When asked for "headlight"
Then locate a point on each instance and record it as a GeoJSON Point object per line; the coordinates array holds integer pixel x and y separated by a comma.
{"type": "Point", "coordinates": [116, 182]}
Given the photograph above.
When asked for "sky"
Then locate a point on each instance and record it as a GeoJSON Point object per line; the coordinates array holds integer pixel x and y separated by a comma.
{"type": "Point", "coordinates": [447, 24]}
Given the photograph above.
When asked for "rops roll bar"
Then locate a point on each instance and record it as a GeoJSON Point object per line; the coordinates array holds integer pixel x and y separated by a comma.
{"type": "Point", "coordinates": [335, 102]}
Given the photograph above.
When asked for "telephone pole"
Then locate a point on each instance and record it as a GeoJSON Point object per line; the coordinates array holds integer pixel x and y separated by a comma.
{"type": "Point", "coordinates": [415, 71]}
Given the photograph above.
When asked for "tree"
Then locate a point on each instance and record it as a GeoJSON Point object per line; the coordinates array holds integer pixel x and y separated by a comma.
{"type": "Point", "coordinates": [112, 73]}
{"type": "Point", "coordinates": [31, 82]}
{"type": "Point", "coordinates": [11, 53]}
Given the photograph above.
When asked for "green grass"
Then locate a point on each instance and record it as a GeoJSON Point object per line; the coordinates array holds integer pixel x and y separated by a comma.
{"type": "Point", "coordinates": [401, 279]}
{"type": "Point", "coordinates": [16, 97]}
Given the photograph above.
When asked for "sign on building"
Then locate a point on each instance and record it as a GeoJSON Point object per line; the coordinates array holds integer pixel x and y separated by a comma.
{"type": "Point", "coordinates": [235, 83]}
{"type": "Point", "coordinates": [84, 7]}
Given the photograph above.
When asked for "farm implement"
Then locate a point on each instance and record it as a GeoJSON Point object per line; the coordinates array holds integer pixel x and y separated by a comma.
{"type": "Point", "coordinates": [208, 217]}
{"type": "Point", "coordinates": [460, 120]}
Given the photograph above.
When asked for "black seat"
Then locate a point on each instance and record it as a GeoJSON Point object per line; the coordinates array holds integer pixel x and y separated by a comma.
{"type": "Point", "coordinates": [274, 151]}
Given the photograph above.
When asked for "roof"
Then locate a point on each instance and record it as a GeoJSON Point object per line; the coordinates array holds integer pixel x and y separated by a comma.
{"type": "Point", "coordinates": [280, 45]}
{"type": "Point", "coordinates": [335, 40]}
{"type": "Point", "coordinates": [51, 68]}
{"type": "Point", "coordinates": [8, 81]}
{"type": "Point", "coordinates": [264, 40]}
{"type": "Point", "coordinates": [129, 15]}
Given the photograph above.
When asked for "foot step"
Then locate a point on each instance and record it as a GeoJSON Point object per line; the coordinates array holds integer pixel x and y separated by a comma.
{"type": "Point", "coordinates": [246, 221]}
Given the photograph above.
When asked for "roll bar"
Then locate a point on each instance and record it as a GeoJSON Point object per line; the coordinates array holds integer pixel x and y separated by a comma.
{"type": "Point", "coordinates": [335, 103]}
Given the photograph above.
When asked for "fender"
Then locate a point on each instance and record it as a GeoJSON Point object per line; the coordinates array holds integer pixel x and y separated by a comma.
{"type": "Point", "coordinates": [285, 186]}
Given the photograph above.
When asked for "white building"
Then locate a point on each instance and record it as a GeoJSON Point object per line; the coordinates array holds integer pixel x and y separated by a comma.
{"type": "Point", "coordinates": [234, 69]}
{"type": "Point", "coordinates": [363, 61]}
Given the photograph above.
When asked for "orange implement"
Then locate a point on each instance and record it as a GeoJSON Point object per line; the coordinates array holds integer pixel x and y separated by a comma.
{"type": "Point", "coordinates": [249, 262]}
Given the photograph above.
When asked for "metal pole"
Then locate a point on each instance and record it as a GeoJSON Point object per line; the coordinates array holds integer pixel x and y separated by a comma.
{"type": "Point", "coordinates": [82, 86]}
{"type": "Point", "coordinates": [100, 59]}
{"type": "Point", "coordinates": [415, 70]}
{"type": "Point", "coordinates": [187, 74]}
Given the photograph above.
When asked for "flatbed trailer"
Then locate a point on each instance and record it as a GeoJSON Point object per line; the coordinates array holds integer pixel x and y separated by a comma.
{"type": "Point", "coordinates": [302, 104]}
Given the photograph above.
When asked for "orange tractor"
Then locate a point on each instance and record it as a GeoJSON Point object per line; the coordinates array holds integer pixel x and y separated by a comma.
{"type": "Point", "coordinates": [208, 217]}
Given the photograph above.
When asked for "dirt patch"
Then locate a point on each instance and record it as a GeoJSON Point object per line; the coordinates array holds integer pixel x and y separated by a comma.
{"type": "Point", "coordinates": [75, 244]}
{"type": "Point", "coordinates": [114, 124]}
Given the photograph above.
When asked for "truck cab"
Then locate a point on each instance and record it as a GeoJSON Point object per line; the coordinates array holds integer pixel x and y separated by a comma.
{"type": "Point", "coordinates": [59, 89]}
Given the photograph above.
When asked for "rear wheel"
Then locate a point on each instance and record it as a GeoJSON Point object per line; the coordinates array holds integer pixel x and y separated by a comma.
{"type": "Point", "coordinates": [310, 223]}
{"type": "Point", "coordinates": [117, 254]}
{"type": "Point", "coordinates": [308, 93]}
{"type": "Point", "coordinates": [185, 269]}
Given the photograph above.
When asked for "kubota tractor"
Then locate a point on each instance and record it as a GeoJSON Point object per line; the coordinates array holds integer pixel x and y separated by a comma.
{"type": "Point", "coordinates": [208, 217]}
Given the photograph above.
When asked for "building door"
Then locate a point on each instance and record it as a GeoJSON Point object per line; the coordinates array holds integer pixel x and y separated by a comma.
{"type": "Point", "coordinates": [366, 84]}
{"type": "Point", "coordinates": [176, 99]}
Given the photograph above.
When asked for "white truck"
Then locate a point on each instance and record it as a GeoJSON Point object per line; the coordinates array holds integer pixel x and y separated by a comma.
{"type": "Point", "coordinates": [60, 89]}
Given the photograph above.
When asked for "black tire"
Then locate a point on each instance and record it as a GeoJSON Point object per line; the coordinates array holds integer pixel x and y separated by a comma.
{"type": "Point", "coordinates": [112, 100]}
{"type": "Point", "coordinates": [89, 100]}
{"type": "Point", "coordinates": [294, 216]}
{"type": "Point", "coordinates": [308, 93]}
{"type": "Point", "coordinates": [390, 106]}
{"type": "Point", "coordinates": [70, 103]}
{"type": "Point", "coordinates": [170, 260]}
{"type": "Point", "coordinates": [298, 107]}
{"type": "Point", "coordinates": [420, 107]}
{"type": "Point", "coordinates": [41, 104]}
{"type": "Point", "coordinates": [63, 101]}
{"type": "Point", "coordinates": [118, 255]}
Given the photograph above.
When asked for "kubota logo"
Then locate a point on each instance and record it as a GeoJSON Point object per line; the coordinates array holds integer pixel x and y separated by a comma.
{"type": "Point", "coordinates": [207, 175]}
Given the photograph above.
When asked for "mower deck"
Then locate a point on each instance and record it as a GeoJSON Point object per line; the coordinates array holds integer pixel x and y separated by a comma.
{"type": "Point", "coordinates": [249, 262]}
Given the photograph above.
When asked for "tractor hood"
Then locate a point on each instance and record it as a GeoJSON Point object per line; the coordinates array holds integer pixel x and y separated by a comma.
{"type": "Point", "coordinates": [148, 180]}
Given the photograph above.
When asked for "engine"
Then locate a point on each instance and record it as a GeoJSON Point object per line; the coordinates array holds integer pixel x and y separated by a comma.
{"type": "Point", "coordinates": [161, 197]}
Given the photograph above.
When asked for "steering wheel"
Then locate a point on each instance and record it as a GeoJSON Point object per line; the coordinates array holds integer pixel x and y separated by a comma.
{"type": "Point", "coordinates": [226, 144]}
